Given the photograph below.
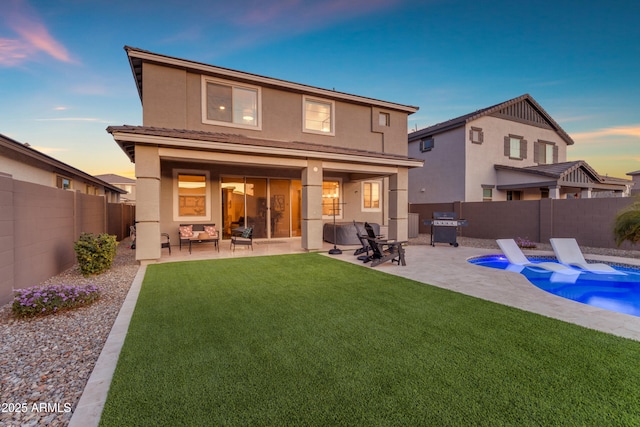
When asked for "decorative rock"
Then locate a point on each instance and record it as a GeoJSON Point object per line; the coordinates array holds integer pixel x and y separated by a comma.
{"type": "Point", "coordinates": [45, 362]}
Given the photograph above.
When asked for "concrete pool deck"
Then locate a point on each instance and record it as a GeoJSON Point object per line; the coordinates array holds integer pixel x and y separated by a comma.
{"type": "Point", "coordinates": [443, 266]}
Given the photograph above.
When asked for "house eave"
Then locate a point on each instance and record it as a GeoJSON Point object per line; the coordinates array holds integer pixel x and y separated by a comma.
{"type": "Point", "coordinates": [127, 142]}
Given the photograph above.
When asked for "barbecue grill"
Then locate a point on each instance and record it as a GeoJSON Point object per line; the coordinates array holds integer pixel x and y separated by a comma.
{"type": "Point", "coordinates": [444, 228]}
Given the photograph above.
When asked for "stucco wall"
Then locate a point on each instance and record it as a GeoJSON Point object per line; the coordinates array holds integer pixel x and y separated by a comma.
{"type": "Point", "coordinates": [589, 221]}
{"type": "Point", "coordinates": [442, 176]}
{"type": "Point", "coordinates": [172, 98]}
{"type": "Point", "coordinates": [38, 227]}
{"type": "Point", "coordinates": [482, 157]}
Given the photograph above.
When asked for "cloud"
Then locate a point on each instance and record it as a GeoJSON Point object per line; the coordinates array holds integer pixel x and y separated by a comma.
{"type": "Point", "coordinates": [616, 131]}
{"type": "Point", "coordinates": [74, 119]}
{"type": "Point", "coordinates": [33, 36]}
{"type": "Point", "coordinates": [257, 21]}
{"type": "Point", "coordinates": [287, 14]}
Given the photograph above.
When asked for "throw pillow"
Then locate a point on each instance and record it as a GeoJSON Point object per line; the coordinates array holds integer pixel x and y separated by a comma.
{"type": "Point", "coordinates": [211, 230]}
{"type": "Point", "coordinates": [186, 231]}
{"type": "Point", "coordinates": [247, 232]}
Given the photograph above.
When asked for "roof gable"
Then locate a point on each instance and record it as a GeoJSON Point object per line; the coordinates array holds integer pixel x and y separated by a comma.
{"type": "Point", "coordinates": [523, 109]}
{"type": "Point", "coordinates": [576, 171]}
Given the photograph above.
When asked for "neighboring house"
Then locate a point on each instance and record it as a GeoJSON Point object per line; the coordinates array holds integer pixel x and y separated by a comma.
{"type": "Point", "coordinates": [127, 184]}
{"type": "Point", "coordinates": [24, 163]}
{"type": "Point", "coordinates": [45, 205]}
{"type": "Point", "coordinates": [510, 151]}
{"type": "Point", "coordinates": [635, 177]}
{"type": "Point", "coordinates": [232, 148]}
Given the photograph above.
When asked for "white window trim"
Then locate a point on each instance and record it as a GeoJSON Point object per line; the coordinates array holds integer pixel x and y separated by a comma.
{"type": "Point", "coordinates": [176, 202]}
{"type": "Point", "coordinates": [340, 196]}
{"type": "Point", "coordinates": [379, 208]}
{"type": "Point", "coordinates": [258, 89]}
{"type": "Point", "coordinates": [306, 98]}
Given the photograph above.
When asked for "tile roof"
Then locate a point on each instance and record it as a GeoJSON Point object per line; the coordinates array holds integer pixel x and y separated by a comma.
{"type": "Point", "coordinates": [112, 178]}
{"type": "Point", "coordinates": [464, 119]}
{"type": "Point", "coordinates": [235, 139]}
{"type": "Point", "coordinates": [555, 170]}
{"type": "Point", "coordinates": [44, 159]}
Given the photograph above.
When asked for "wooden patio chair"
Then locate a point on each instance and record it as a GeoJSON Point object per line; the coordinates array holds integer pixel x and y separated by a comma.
{"type": "Point", "coordinates": [384, 250]}
{"type": "Point", "coordinates": [365, 245]}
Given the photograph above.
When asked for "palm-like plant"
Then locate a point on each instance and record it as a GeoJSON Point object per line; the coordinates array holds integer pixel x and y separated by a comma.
{"type": "Point", "coordinates": [627, 224]}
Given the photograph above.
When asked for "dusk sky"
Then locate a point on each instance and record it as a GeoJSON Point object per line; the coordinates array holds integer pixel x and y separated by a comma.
{"type": "Point", "coordinates": [64, 76]}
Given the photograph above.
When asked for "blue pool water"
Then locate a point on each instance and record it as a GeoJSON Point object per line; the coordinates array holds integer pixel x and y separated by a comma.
{"type": "Point", "coordinates": [615, 292]}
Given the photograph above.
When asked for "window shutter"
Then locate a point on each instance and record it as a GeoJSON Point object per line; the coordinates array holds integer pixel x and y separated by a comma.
{"type": "Point", "coordinates": [523, 149]}
{"type": "Point", "coordinates": [555, 154]}
{"type": "Point", "coordinates": [507, 146]}
{"type": "Point", "coordinates": [537, 147]}
{"type": "Point", "coordinates": [481, 137]}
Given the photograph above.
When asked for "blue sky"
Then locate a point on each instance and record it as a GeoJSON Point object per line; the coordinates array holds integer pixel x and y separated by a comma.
{"type": "Point", "coordinates": [64, 76]}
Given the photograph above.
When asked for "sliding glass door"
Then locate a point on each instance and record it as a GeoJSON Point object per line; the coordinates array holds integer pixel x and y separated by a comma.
{"type": "Point", "coordinates": [273, 207]}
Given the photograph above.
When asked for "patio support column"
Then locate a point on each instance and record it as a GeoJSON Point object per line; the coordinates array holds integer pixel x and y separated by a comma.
{"type": "Point", "coordinates": [312, 205]}
{"type": "Point", "coordinates": [399, 205]}
{"type": "Point", "coordinates": [147, 204]}
{"type": "Point", "coordinates": [585, 193]}
{"type": "Point", "coordinates": [554, 192]}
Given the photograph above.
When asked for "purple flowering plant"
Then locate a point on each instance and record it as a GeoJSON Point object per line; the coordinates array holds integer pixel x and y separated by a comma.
{"type": "Point", "coordinates": [525, 243]}
{"type": "Point", "coordinates": [41, 300]}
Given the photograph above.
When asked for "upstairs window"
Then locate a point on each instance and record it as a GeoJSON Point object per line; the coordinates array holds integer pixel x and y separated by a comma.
{"type": "Point", "coordinates": [476, 135]}
{"type": "Point", "coordinates": [318, 116]}
{"type": "Point", "coordinates": [229, 104]}
{"type": "Point", "coordinates": [426, 144]}
{"type": "Point", "coordinates": [384, 119]}
{"type": "Point", "coordinates": [515, 147]}
{"type": "Point", "coordinates": [545, 153]}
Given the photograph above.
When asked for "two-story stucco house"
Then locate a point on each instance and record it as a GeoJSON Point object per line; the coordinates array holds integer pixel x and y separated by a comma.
{"type": "Point", "coordinates": [233, 148]}
{"type": "Point", "coordinates": [510, 151]}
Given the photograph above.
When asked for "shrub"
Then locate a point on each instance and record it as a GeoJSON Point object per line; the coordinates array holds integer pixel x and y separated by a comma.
{"type": "Point", "coordinates": [627, 224]}
{"type": "Point", "coordinates": [95, 253]}
{"type": "Point", "coordinates": [41, 300]}
{"type": "Point", "coordinates": [525, 243]}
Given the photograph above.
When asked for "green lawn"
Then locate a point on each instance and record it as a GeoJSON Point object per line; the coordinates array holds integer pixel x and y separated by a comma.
{"type": "Point", "coordinates": [308, 340]}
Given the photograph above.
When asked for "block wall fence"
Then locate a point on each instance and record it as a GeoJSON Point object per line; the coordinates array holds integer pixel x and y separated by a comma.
{"type": "Point", "coordinates": [39, 225]}
{"type": "Point", "coordinates": [589, 221]}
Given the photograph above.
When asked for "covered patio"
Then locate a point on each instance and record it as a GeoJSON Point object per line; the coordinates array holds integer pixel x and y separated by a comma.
{"type": "Point", "coordinates": [227, 180]}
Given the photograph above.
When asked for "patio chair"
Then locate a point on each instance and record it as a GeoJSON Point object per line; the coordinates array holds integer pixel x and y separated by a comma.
{"type": "Point", "coordinates": [245, 238]}
{"type": "Point", "coordinates": [364, 242]}
{"type": "Point", "coordinates": [165, 241]}
{"type": "Point", "coordinates": [384, 250]}
{"type": "Point", "coordinates": [568, 252]}
{"type": "Point", "coordinates": [515, 256]}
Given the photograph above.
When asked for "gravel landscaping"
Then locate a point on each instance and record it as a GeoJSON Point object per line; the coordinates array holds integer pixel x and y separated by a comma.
{"type": "Point", "coordinates": [45, 362]}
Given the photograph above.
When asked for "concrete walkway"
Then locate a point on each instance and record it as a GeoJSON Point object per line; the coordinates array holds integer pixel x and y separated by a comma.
{"type": "Point", "coordinates": [442, 266]}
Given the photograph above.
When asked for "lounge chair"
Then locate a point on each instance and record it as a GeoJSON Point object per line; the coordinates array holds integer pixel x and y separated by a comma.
{"type": "Point", "coordinates": [384, 250]}
{"type": "Point", "coordinates": [568, 252]}
{"type": "Point", "coordinates": [515, 256]}
{"type": "Point", "coordinates": [365, 245]}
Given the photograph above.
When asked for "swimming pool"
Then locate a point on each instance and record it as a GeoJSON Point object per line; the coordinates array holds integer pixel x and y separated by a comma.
{"type": "Point", "coordinates": [615, 292]}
